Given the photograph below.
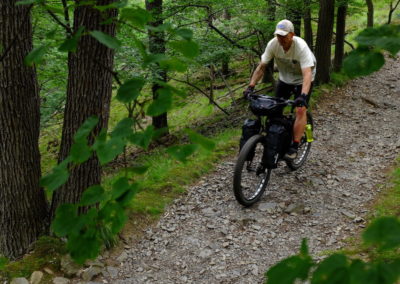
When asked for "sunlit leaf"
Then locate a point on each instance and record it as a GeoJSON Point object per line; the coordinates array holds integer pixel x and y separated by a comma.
{"type": "Point", "coordinates": [384, 233]}
{"type": "Point", "coordinates": [130, 90]}
{"type": "Point", "coordinates": [204, 142]}
{"type": "Point", "coordinates": [188, 48]}
{"type": "Point", "coordinates": [35, 56]}
{"type": "Point", "coordinates": [362, 61]}
{"type": "Point", "coordinates": [107, 40]}
{"type": "Point", "coordinates": [181, 153]}
{"type": "Point", "coordinates": [92, 195]}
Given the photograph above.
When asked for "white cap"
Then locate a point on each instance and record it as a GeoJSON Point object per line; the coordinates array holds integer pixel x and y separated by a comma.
{"type": "Point", "coordinates": [284, 27]}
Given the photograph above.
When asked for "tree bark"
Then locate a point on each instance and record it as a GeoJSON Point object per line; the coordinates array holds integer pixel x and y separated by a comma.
{"type": "Point", "coordinates": [23, 207]}
{"type": "Point", "coordinates": [391, 10]}
{"type": "Point", "coordinates": [308, 34]}
{"type": "Point", "coordinates": [157, 45]}
{"type": "Point", "coordinates": [271, 16]}
{"type": "Point", "coordinates": [324, 40]}
{"type": "Point", "coordinates": [370, 13]}
{"type": "Point", "coordinates": [88, 94]}
{"type": "Point", "coordinates": [340, 35]}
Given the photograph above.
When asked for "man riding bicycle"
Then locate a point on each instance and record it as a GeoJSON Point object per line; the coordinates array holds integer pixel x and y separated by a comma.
{"type": "Point", "coordinates": [296, 64]}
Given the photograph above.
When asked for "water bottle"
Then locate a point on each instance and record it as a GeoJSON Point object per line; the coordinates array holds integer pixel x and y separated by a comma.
{"type": "Point", "coordinates": [309, 133]}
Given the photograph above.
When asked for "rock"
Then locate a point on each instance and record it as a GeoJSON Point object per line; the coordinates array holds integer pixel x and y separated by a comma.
{"type": "Point", "coordinates": [68, 266]}
{"type": "Point", "coordinates": [48, 271]}
{"type": "Point", "coordinates": [205, 253]}
{"type": "Point", "coordinates": [36, 277]}
{"type": "Point", "coordinates": [348, 214]}
{"type": "Point", "coordinates": [89, 273]}
{"type": "Point", "coordinates": [295, 208]}
{"type": "Point", "coordinates": [112, 271]}
{"type": "Point", "coordinates": [19, 280]}
{"type": "Point", "coordinates": [123, 256]}
{"type": "Point", "coordinates": [96, 262]}
{"type": "Point", "coordinates": [306, 210]}
{"type": "Point", "coordinates": [267, 206]}
{"type": "Point", "coordinates": [61, 280]}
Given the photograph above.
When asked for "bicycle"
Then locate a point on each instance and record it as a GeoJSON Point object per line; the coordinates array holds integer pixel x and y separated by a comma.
{"type": "Point", "coordinates": [262, 152]}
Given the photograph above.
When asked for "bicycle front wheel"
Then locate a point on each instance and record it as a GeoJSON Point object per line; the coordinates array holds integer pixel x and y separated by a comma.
{"type": "Point", "coordinates": [249, 180]}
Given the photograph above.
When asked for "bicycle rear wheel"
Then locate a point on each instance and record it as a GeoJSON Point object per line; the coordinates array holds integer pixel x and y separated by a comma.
{"type": "Point", "coordinates": [304, 148]}
{"type": "Point", "coordinates": [249, 182]}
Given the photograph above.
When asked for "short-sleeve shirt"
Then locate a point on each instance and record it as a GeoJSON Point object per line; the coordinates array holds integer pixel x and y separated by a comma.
{"type": "Point", "coordinates": [290, 63]}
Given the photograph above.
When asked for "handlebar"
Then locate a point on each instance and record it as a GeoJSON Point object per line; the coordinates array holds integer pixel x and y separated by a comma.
{"type": "Point", "coordinates": [279, 101]}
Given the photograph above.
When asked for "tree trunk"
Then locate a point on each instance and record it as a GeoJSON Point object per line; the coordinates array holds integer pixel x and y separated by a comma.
{"type": "Point", "coordinates": [340, 34]}
{"type": "Point", "coordinates": [391, 10]}
{"type": "Point", "coordinates": [271, 10]}
{"type": "Point", "coordinates": [88, 94]}
{"type": "Point", "coordinates": [294, 14]}
{"type": "Point", "coordinates": [370, 14]}
{"type": "Point", "coordinates": [212, 79]}
{"type": "Point", "coordinates": [225, 66]}
{"type": "Point", "coordinates": [23, 207]}
{"type": "Point", "coordinates": [157, 45]}
{"type": "Point", "coordinates": [324, 40]}
{"type": "Point", "coordinates": [308, 34]}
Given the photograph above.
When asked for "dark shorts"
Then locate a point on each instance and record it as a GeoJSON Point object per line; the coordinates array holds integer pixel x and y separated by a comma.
{"type": "Point", "coordinates": [285, 91]}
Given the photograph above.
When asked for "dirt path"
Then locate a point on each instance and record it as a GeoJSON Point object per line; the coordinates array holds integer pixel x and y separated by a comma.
{"type": "Point", "coordinates": [207, 237]}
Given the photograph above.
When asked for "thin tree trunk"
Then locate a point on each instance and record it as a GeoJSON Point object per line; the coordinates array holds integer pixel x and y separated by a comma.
{"type": "Point", "coordinates": [88, 93]}
{"type": "Point", "coordinates": [269, 72]}
{"type": "Point", "coordinates": [157, 45]}
{"type": "Point", "coordinates": [23, 207]}
{"type": "Point", "coordinates": [324, 40]}
{"type": "Point", "coordinates": [391, 10]}
{"type": "Point", "coordinates": [340, 35]}
{"type": "Point", "coordinates": [370, 13]}
{"type": "Point", "coordinates": [308, 34]}
{"type": "Point", "coordinates": [212, 79]}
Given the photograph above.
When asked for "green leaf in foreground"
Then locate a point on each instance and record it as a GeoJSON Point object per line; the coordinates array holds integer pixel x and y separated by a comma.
{"type": "Point", "coordinates": [181, 153]}
{"type": "Point", "coordinates": [57, 177]}
{"type": "Point", "coordinates": [84, 246]}
{"type": "Point", "coordinates": [292, 268]}
{"type": "Point", "coordinates": [334, 269]}
{"type": "Point", "coordinates": [66, 220]}
{"type": "Point", "coordinates": [86, 128]}
{"type": "Point", "coordinates": [80, 152]}
{"type": "Point", "coordinates": [386, 37]}
{"type": "Point", "coordinates": [138, 17]}
{"type": "Point", "coordinates": [130, 90]}
{"type": "Point", "coordinates": [35, 56]}
{"type": "Point", "coordinates": [204, 142]}
{"type": "Point", "coordinates": [384, 233]}
{"type": "Point", "coordinates": [71, 44]}
{"type": "Point", "coordinates": [362, 61]}
{"type": "Point", "coordinates": [162, 104]}
{"type": "Point", "coordinates": [187, 47]}
{"type": "Point", "coordinates": [108, 149]}
{"type": "Point", "coordinates": [107, 40]}
{"type": "Point", "coordinates": [92, 195]}
{"type": "Point", "coordinates": [143, 138]}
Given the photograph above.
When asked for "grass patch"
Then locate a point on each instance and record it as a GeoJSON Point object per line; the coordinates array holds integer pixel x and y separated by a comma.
{"type": "Point", "coordinates": [46, 252]}
{"type": "Point", "coordinates": [166, 178]}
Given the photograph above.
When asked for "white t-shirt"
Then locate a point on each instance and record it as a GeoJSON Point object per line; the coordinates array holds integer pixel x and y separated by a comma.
{"type": "Point", "coordinates": [291, 62]}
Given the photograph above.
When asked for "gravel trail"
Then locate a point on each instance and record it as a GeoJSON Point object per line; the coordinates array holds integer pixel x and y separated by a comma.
{"type": "Point", "coordinates": [207, 237]}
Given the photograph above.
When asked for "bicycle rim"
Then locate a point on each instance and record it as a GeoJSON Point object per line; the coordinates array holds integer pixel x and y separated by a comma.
{"type": "Point", "coordinates": [249, 182]}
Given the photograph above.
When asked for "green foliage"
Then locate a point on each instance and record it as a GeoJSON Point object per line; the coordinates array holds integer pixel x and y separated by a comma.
{"type": "Point", "coordinates": [382, 234]}
{"type": "Point", "coordinates": [130, 90]}
{"type": "Point", "coordinates": [35, 56]}
{"type": "Point", "coordinates": [107, 40]}
{"type": "Point", "coordinates": [368, 57]}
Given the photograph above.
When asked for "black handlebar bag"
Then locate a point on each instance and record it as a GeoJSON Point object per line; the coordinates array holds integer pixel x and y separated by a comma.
{"type": "Point", "coordinates": [250, 128]}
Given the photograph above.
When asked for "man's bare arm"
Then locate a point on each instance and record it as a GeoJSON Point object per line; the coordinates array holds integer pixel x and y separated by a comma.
{"type": "Point", "coordinates": [258, 74]}
{"type": "Point", "coordinates": [307, 78]}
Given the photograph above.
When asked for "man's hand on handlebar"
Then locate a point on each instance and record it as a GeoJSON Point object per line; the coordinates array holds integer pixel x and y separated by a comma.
{"type": "Point", "coordinates": [301, 101]}
{"type": "Point", "coordinates": [248, 92]}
